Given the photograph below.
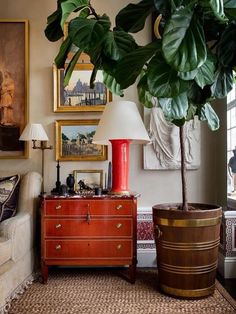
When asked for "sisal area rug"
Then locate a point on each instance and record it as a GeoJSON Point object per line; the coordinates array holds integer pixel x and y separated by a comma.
{"type": "Point", "coordinates": [102, 291]}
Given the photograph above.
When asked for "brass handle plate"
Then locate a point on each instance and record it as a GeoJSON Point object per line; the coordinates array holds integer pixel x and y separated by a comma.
{"type": "Point", "coordinates": [119, 225]}
{"type": "Point", "coordinates": [58, 226]}
{"type": "Point", "coordinates": [119, 206]}
{"type": "Point", "coordinates": [58, 247]}
{"type": "Point", "coordinates": [58, 206]}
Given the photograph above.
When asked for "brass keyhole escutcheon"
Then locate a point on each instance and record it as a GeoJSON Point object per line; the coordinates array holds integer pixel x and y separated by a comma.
{"type": "Point", "coordinates": [119, 246]}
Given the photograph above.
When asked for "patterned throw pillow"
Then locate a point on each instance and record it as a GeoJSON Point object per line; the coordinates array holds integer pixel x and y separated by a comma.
{"type": "Point", "coordinates": [9, 190]}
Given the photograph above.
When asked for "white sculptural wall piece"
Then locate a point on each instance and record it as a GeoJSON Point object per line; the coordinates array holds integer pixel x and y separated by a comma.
{"type": "Point", "coordinates": [163, 153]}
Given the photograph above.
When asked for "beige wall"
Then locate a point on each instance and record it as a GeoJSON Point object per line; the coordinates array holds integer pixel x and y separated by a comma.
{"type": "Point", "coordinates": [154, 186]}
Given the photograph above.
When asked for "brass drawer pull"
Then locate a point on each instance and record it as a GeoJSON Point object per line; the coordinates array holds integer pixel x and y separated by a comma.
{"type": "Point", "coordinates": [118, 226]}
{"type": "Point", "coordinates": [88, 217]}
{"type": "Point", "coordinates": [58, 206]}
{"type": "Point", "coordinates": [119, 206]}
{"type": "Point", "coordinates": [58, 247]}
{"type": "Point", "coordinates": [119, 246]}
{"type": "Point", "coordinates": [58, 226]}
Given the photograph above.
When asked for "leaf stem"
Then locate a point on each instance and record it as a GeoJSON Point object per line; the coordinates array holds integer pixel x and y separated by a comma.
{"type": "Point", "coordinates": [183, 168]}
{"type": "Point", "coordinates": [93, 12]}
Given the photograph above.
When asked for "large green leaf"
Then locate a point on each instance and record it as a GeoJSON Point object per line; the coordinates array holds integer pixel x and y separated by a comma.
{"type": "Point", "coordinates": [70, 6]}
{"type": "Point", "coordinates": [198, 95]}
{"type": "Point", "coordinates": [229, 4]}
{"type": "Point", "coordinates": [53, 31]}
{"type": "Point", "coordinates": [207, 113]}
{"type": "Point", "coordinates": [143, 93]}
{"type": "Point", "coordinates": [230, 8]}
{"type": "Point", "coordinates": [188, 76]}
{"type": "Point", "coordinates": [218, 9]}
{"type": "Point", "coordinates": [132, 17]}
{"type": "Point", "coordinates": [223, 83]}
{"type": "Point", "coordinates": [70, 67]}
{"type": "Point", "coordinates": [183, 44]}
{"type": "Point", "coordinates": [191, 112]}
{"type": "Point", "coordinates": [227, 46]}
{"type": "Point", "coordinates": [63, 52]}
{"type": "Point", "coordinates": [206, 73]}
{"type": "Point", "coordinates": [112, 84]}
{"type": "Point", "coordinates": [130, 67]}
{"type": "Point", "coordinates": [162, 80]}
{"type": "Point", "coordinates": [117, 44]}
{"type": "Point", "coordinates": [174, 108]}
{"type": "Point", "coordinates": [88, 32]}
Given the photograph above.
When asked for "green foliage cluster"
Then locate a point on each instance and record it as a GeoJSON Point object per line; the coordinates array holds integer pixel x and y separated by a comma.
{"type": "Point", "coordinates": [185, 68]}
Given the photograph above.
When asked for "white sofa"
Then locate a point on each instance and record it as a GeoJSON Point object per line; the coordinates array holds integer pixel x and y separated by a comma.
{"type": "Point", "coordinates": [17, 237]}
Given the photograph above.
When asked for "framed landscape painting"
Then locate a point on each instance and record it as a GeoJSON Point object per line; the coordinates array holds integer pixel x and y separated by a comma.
{"type": "Point", "coordinates": [77, 96]}
{"type": "Point", "coordinates": [74, 141]}
{"type": "Point", "coordinates": [13, 87]}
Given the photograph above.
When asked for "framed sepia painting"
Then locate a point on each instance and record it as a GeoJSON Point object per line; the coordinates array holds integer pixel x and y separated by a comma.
{"type": "Point", "coordinates": [77, 96]}
{"type": "Point", "coordinates": [14, 58]}
{"type": "Point", "coordinates": [74, 141]}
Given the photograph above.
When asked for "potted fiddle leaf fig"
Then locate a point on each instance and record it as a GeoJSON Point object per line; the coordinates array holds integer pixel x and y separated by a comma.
{"type": "Point", "coordinates": [188, 64]}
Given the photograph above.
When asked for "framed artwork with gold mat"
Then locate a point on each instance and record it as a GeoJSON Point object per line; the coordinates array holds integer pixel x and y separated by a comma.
{"type": "Point", "coordinates": [77, 96]}
{"type": "Point", "coordinates": [74, 141]}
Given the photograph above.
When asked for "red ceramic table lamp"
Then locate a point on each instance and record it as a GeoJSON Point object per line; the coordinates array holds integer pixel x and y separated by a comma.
{"type": "Point", "coordinates": [120, 125]}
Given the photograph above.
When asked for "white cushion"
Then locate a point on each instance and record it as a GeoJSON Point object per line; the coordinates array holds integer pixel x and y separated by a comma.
{"type": "Point", "coordinates": [5, 250]}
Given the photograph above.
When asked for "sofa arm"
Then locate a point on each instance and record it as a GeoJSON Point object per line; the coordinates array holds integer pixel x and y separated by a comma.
{"type": "Point", "coordinates": [19, 230]}
{"type": "Point", "coordinates": [30, 188]}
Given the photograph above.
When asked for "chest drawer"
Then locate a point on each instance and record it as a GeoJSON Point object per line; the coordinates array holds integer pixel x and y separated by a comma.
{"type": "Point", "coordinates": [112, 207]}
{"type": "Point", "coordinates": [66, 207]}
{"type": "Point", "coordinates": [94, 228]}
{"type": "Point", "coordinates": [88, 249]}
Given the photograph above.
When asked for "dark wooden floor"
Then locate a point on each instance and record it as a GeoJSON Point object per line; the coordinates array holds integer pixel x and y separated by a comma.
{"type": "Point", "coordinates": [228, 284]}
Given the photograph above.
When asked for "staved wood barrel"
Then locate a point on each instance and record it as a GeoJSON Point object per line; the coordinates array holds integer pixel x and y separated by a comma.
{"type": "Point", "coordinates": [187, 248]}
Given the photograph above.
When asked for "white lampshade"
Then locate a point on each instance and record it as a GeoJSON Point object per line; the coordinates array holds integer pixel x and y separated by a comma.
{"type": "Point", "coordinates": [33, 131]}
{"type": "Point", "coordinates": [121, 120]}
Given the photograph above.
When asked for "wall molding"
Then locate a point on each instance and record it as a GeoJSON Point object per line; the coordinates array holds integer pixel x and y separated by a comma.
{"type": "Point", "coordinates": [227, 266]}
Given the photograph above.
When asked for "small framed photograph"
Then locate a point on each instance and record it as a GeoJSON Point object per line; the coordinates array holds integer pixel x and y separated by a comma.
{"type": "Point", "coordinates": [74, 141]}
{"type": "Point", "coordinates": [88, 180]}
{"type": "Point", "coordinates": [77, 96]}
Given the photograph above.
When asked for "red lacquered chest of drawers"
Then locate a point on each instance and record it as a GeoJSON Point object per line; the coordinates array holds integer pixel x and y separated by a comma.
{"type": "Point", "coordinates": [89, 231]}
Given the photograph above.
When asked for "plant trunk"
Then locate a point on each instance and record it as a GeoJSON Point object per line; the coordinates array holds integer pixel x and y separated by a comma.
{"type": "Point", "coordinates": [183, 168]}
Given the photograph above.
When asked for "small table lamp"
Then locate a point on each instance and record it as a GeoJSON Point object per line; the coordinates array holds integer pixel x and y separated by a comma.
{"type": "Point", "coordinates": [120, 125]}
{"type": "Point", "coordinates": [35, 132]}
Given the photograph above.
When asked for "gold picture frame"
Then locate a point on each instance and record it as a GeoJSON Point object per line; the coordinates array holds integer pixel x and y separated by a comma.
{"type": "Point", "coordinates": [87, 179]}
{"type": "Point", "coordinates": [74, 141]}
{"type": "Point", "coordinates": [14, 68]}
{"type": "Point", "coordinates": [77, 96]}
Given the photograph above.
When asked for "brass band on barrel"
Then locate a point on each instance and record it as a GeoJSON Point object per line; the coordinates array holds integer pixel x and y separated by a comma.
{"type": "Point", "coordinates": [188, 222]}
{"type": "Point", "coordinates": [199, 246]}
{"type": "Point", "coordinates": [188, 270]}
{"type": "Point", "coordinates": [188, 293]}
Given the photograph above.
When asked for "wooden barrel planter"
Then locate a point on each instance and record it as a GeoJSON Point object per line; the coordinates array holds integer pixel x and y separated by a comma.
{"type": "Point", "coordinates": [187, 248]}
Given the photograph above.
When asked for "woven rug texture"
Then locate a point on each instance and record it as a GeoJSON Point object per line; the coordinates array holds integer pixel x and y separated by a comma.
{"type": "Point", "coordinates": [99, 291]}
